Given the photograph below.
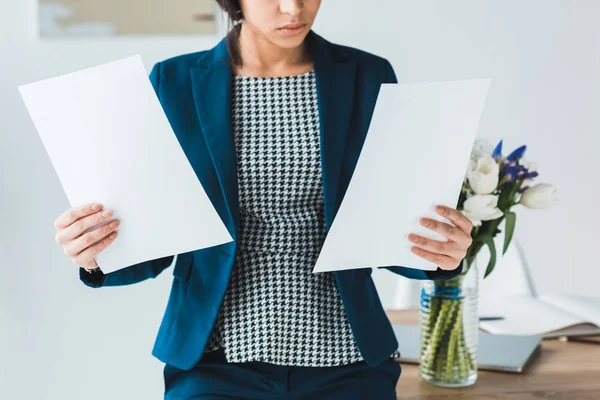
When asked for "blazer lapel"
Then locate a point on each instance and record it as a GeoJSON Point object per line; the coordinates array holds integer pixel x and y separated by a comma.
{"type": "Point", "coordinates": [211, 88]}
{"type": "Point", "coordinates": [335, 78]}
{"type": "Point", "coordinates": [335, 75]}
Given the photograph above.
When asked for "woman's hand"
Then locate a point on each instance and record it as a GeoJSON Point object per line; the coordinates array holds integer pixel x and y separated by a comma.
{"type": "Point", "coordinates": [447, 255]}
{"type": "Point", "coordinates": [82, 249]}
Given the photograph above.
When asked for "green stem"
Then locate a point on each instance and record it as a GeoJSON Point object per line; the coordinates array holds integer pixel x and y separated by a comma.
{"type": "Point", "coordinates": [469, 357]}
{"type": "Point", "coordinates": [439, 347]}
{"type": "Point", "coordinates": [440, 322]}
{"type": "Point", "coordinates": [453, 345]}
{"type": "Point", "coordinates": [462, 368]}
{"type": "Point", "coordinates": [444, 351]}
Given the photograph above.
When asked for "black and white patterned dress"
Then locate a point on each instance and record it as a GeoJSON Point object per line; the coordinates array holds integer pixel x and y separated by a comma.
{"type": "Point", "coordinates": [275, 309]}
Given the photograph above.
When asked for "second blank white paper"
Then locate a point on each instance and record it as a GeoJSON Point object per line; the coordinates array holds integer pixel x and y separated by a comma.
{"type": "Point", "coordinates": [414, 157]}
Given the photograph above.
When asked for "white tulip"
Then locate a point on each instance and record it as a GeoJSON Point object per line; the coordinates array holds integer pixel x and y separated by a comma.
{"type": "Point", "coordinates": [481, 208]}
{"type": "Point", "coordinates": [526, 183]}
{"type": "Point", "coordinates": [475, 222]}
{"type": "Point", "coordinates": [483, 175]}
{"type": "Point", "coordinates": [542, 195]}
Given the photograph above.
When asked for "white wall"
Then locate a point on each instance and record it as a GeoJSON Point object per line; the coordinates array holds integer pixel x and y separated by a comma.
{"type": "Point", "coordinates": [56, 334]}
{"type": "Point", "coordinates": [544, 58]}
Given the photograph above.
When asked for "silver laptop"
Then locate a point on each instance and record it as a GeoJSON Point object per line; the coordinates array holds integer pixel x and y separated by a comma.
{"type": "Point", "coordinates": [507, 353]}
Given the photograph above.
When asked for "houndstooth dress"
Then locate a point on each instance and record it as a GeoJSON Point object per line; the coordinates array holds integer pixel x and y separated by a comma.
{"type": "Point", "coordinates": [275, 309]}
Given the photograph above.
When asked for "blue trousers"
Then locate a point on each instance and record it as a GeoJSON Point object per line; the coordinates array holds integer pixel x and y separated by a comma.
{"type": "Point", "coordinates": [213, 378]}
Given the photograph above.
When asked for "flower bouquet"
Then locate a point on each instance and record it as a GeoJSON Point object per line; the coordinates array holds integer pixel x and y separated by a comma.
{"type": "Point", "coordinates": [449, 320]}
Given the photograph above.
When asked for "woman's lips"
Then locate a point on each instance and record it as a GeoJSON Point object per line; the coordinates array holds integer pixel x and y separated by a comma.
{"type": "Point", "coordinates": [292, 29]}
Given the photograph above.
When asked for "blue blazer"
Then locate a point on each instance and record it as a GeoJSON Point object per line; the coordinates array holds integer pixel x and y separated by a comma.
{"type": "Point", "coordinates": [195, 93]}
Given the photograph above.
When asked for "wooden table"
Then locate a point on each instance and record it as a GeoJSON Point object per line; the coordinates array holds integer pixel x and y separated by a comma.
{"type": "Point", "coordinates": [562, 370]}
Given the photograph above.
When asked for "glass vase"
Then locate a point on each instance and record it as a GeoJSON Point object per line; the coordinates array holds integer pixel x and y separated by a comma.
{"type": "Point", "coordinates": [449, 329]}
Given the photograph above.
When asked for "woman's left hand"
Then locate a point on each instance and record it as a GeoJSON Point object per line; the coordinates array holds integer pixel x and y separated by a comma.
{"type": "Point", "coordinates": [447, 255]}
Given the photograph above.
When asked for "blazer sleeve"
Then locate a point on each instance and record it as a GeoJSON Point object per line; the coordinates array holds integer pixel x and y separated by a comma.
{"type": "Point", "coordinates": [126, 276]}
{"type": "Point", "coordinates": [413, 273]}
{"type": "Point", "coordinates": [137, 272]}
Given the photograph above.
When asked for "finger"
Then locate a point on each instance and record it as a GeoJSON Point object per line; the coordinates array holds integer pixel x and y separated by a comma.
{"type": "Point", "coordinates": [436, 246]}
{"type": "Point", "coordinates": [81, 243]}
{"type": "Point", "coordinates": [443, 261]}
{"type": "Point", "coordinates": [87, 257]}
{"type": "Point", "coordinates": [74, 213]}
{"type": "Point", "coordinates": [461, 221]}
{"type": "Point", "coordinates": [75, 230]}
{"type": "Point", "coordinates": [89, 266]}
{"type": "Point", "coordinates": [451, 232]}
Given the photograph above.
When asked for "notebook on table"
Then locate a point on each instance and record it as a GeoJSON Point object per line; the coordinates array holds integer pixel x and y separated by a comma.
{"type": "Point", "coordinates": [546, 315]}
{"type": "Point", "coordinates": [494, 352]}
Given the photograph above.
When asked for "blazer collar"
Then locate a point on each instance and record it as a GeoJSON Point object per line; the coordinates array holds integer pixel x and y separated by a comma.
{"type": "Point", "coordinates": [335, 80]}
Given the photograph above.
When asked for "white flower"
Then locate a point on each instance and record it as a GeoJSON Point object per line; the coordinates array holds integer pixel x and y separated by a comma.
{"type": "Point", "coordinates": [542, 195]}
{"type": "Point", "coordinates": [475, 222]}
{"type": "Point", "coordinates": [481, 208]}
{"type": "Point", "coordinates": [481, 147]}
{"type": "Point", "coordinates": [483, 175]}
{"type": "Point", "coordinates": [526, 183]}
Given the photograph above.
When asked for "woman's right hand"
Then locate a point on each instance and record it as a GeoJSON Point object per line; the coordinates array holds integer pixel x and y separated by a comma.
{"type": "Point", "coordinates": [80, 247]}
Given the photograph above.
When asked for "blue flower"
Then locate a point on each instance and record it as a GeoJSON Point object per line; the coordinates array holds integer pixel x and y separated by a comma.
{"type": "Point", "coordinates": [513, 171]}
{"type": "Point", "coordinates": [497, 151]}
{"type": "Point", "coordinates": [518, 153]}
{"type": "Point", "coordinates": [530, 175]}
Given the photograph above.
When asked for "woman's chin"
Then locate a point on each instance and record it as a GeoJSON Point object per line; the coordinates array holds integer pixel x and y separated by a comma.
{"type": "Point", "coordinates": [289, 41]}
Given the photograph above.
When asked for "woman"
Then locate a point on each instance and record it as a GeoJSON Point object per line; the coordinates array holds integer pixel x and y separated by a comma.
{"type": "Point", "coordinates": [272, 120]}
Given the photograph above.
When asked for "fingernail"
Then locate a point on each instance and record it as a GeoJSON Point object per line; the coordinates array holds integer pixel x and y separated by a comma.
{"type": "Point", "coordinates": [114, 223]}
{"type": "Point", "coordinates": [113, 235]}
{"type": "Point", "coordinates": [412, 238]}
{"type": "Point", "coordinates": [425, 222]}
{"type": "Point", "coordinates": [107, 213]}
{"type": "Point", "coordinates": [96, 207]}
{"type": "Point", "coordinates": [440, 209]}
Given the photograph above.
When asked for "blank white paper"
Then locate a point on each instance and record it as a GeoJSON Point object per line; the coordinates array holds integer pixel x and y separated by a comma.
{"type": "Point", "coordinates": [110, 141]}
{"type": "Point", "coordinates": [525, 315]}
{"type": "Point", "coordinates": [414, 157]}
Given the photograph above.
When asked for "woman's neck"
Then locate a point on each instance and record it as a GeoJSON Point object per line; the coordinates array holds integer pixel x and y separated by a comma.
{"type": "Point", "coordinates": [263, 58]}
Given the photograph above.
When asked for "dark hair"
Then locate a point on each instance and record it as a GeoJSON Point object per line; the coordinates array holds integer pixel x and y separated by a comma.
{"type": "Point", "coordinates": [234, 12]}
